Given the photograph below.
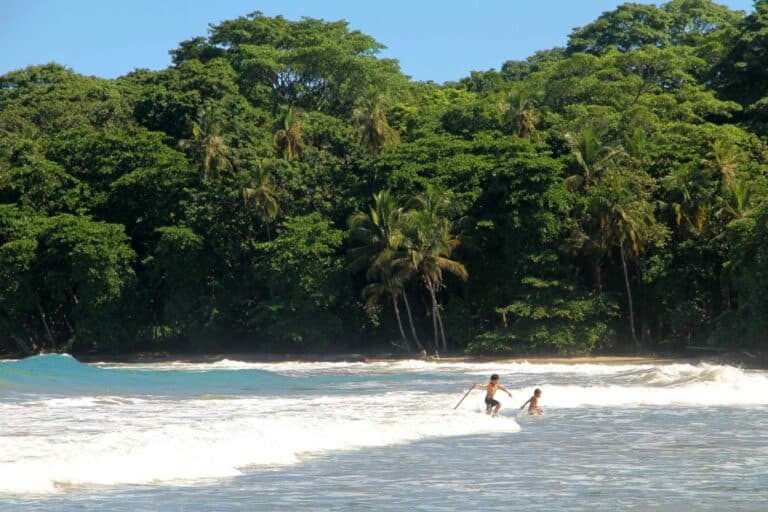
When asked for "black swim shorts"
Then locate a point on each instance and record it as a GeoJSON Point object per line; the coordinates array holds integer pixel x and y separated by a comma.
{"type": "Point", "coordinates": [490, 402]}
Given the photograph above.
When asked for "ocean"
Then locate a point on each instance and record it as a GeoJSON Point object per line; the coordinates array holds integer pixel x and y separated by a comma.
{"type": "Point", "coordinates": [236, 435]}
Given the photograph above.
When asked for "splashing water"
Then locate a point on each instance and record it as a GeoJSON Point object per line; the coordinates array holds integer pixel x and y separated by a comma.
{"type": "Point", "coordinates": [69, 429]}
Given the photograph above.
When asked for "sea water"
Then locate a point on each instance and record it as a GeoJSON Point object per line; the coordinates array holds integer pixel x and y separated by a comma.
{"type": "Point", "coordinates": [381, 436]}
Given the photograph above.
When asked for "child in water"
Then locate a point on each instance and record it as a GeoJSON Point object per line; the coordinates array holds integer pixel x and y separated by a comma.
{"type": "Point", "coordinates": [534, 401]}
{"type": "Point", "coordinates": [491, 405]}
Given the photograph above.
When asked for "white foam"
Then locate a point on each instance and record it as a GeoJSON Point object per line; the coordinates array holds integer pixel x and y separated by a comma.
{"type": "Point", "coordinates": [404, 366]}
{"type": "Point", "coordinates": [218, 438]}
{"type": "Point", "coordinates": [677, 384]}
{"type": "Point", "coordinates": [50, 443]}
{"type": "Point", "coordinates": [81, 401]}
{"type": "Point", "coordinates": [684, 373]}
{"type": "Point", "coordinates": [619, 396]}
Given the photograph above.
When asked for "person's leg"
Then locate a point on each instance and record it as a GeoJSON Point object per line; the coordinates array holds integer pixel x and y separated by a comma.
{"type": "Point", "coordinates": [496, 410]}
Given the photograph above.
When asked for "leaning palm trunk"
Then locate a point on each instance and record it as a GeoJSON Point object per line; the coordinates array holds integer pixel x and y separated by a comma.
{"type": "Point", "coordinates": [431, 289]}
{"type": "Point", "coordinates": [440, 324]}
{"type": "Point", "coordinates": [629, 296]}
{"type": "Point", "coordinates": [406, 345]}
{"type": "Point", "coordinates": [410, 322]}
{"type": "Point", "coordinates": [47, 328]}
{"type": "Point", "coordinates": [22, 346]}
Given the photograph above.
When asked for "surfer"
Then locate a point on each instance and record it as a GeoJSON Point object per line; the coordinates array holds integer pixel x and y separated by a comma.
{"type": "Point", "coordinates": [492, 406]}
{"type": "Point", "coordinates": [534, 401]}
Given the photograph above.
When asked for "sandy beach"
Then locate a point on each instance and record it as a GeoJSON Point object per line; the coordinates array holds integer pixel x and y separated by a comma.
{"type": "Point", "coordinates": [744, 359]}
{"type": "Point", "coordinates": [731, 358]}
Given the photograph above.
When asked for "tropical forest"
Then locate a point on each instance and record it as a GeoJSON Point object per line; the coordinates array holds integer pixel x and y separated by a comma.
{"type": "Point", "coordinates": [281, 187]}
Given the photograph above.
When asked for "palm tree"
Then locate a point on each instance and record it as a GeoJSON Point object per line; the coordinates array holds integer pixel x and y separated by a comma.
{"type": "Point", "coordinates": [627, 223]}
{"type": "Point", "coordinates": [625, 229]}
{"type": "Point", "coordinates": [388, 285]}
{"type": "Point", "coordinates": [209, 145]}
{"type": "Point", "coordinates": [519, 115]}
{"type": "Point", "coordinates": [690, 187]}
{"type": "Point", "coordinates": [429, 245]}
{"type": "Point", "coordinates": [734, 197]}
{"type": "Point", "coordinates": [372, 125]}
{"type": "Point", "coordinates": [379, 237]}
{"type": "Point", "coordinates": [376, 230]}
{"type": "Point", "coordinates": [262, 199]}
{"type": "Point", "coordinates": [636, 146]}
{"type": "Point", "coordinates": [290, 138]}
{"type": "Point", "coordinates": [726, 158]}
{"type": "Point", "coordinates": [592, 157]}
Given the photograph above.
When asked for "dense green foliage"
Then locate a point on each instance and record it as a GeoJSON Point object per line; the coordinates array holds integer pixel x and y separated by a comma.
{"type": "Point", "coordinates": [281, 187]}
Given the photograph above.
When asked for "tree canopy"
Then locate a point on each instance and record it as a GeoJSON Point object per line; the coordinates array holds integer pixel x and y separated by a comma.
{"type": "Point", "coordinates": [282, 187]}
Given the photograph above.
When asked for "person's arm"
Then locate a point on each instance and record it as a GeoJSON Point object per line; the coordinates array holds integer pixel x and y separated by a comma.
{"type": "Point", "coordinates": [505, 390]}
{"type": "Point", "coordinates": [526, 403]}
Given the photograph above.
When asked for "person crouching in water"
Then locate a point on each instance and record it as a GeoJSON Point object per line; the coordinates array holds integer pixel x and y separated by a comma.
{"type": "Point", "coordinates": [534, 401]}
{"type": "Point", "coordinates": [492, 406]}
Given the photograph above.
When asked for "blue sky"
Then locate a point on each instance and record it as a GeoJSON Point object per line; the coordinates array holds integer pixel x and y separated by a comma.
{"type": "Point", "coordinates": [433, 39]}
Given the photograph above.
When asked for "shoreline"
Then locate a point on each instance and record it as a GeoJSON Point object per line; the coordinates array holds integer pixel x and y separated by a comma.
{"type": "Point", "coordinates": [741, 359]}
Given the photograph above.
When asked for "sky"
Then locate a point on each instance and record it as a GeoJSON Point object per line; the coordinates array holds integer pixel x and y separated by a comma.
{"type": "Point", "coordinates": [437, 40]}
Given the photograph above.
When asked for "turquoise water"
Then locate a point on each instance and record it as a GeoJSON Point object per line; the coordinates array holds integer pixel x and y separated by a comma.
{"type": "Point", "coordinates": [383, 436]}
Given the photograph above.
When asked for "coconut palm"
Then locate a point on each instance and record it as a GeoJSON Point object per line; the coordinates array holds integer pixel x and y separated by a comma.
{"type": "Point", "coordinates": [734, 201]}
{"type": "Point", "coordinates": [689, 188]}
{"type": "Point", "coordinates": [379, 238]}
{"type": "Point", "coordinates": [636, 145]}
{"type": "Point", "coordinates": [593, 160]}
{"type": "Point", "coordinates": [519, 116]}
{"type": "Point", "coordinates": [262, 199]}
{"type": "Point", "coordinates": [372, 125]}
{"type": "Point", "coordinates": [290, 138]}
{"type": "Point", "coordinates": [626, 223]}
{"type": "Point", "coordinates": [209, 145]}
{"type": "Point", "coordinates": [429, 245]}
{"type": "Point", "coordinates": [375, 230]}
{"type": "Point", "coordinates": [626, 229]}
{"type": "Point", "coordinates": [387, 285]}
{"type": "Point", "coordinates": [726, 158]}
{"type": "Point", "coordinates": [592, 157]}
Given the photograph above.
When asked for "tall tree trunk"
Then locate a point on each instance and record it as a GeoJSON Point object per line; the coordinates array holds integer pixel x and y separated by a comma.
{"type": "Point", "coordinates": [269, 235]}
{"type": "Point", "coordinates": [22, 346]}
{"type": "Point", "coordinates": [400, 323]}
{"type": "Point", "coordinates": [598, 276]}
{"type": "Point", "coordinates": [45, 324]}
{"type": "Point", "coordinates": [410, 321]}
{"type": "Point", "coordinates": [629, 297]}
{"type": "Point", "coordinates": [431, 289]}
{"type": "Point", "coordinates": [440, 324]}
{"type": "Point", "coordinates": [718, 294]}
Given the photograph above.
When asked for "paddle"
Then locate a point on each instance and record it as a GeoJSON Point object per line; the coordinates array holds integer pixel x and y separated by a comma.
{"type": "Point", "coordinates": [465, 396]}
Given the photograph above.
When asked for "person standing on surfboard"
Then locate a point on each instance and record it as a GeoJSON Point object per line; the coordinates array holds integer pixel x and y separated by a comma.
{"type": "Point", "coordinates": [492, 406]}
